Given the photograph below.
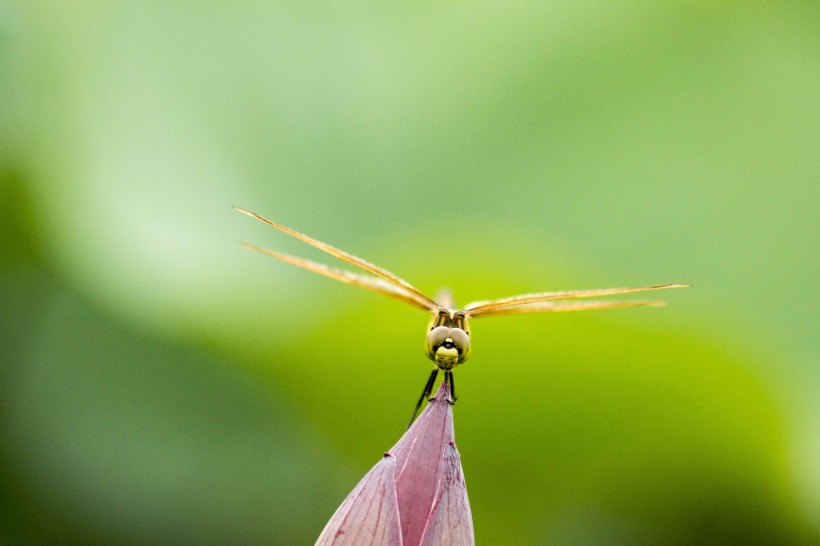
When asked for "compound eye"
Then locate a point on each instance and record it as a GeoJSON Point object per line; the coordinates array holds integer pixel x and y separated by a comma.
{"type": "Point", "coordinates": [436, 336]}
{"type": "Point", "coordinates": [462, 341]}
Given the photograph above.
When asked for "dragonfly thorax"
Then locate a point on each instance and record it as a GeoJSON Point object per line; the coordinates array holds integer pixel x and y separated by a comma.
{"type": "Point", "coordinates": [448, 339]}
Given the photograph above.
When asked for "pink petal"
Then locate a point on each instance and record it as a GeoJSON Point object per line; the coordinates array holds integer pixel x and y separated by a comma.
{"type": "Point", "coordinates": [419, 464]}
{"type": "Point", "coordinates": [414, 496]}
{"type": "Point", "coordinates": [451, 522]}
{"type": "Point", "coordinates": [369, 516]}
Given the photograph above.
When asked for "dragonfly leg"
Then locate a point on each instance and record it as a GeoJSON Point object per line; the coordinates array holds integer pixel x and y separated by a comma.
{"type": "Point", "coordinates": [428, 388]}
{"type": "Point", "coordinates": [452, 387]}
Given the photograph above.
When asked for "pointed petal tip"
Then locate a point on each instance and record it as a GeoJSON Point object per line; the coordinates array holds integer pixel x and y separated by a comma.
{"type": "Point", "coordinates": [443, 394]}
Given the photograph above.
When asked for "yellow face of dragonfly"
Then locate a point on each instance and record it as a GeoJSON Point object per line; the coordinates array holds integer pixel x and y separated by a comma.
{"type": "Point", "coordinates": [448, 339]}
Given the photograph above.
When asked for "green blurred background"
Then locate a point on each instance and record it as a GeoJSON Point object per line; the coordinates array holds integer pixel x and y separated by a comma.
{"type": "Point", "coordinates": [159, 385]}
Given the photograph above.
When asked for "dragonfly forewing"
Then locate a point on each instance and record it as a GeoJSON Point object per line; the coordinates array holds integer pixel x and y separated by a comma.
{"type": "Point", "coordinates": [413, 293]}
{"type": "Point", "coordinates": [481, 307]}
{"type": "Point", "coordinates": [374, 284]}
{"type": "Point", "coordinates": [560, 306]}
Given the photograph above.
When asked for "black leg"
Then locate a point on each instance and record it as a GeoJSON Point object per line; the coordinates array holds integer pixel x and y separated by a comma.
{"type": "Point", "coordinates": [453, 388]}
{"type": "Point", "coordinates": [428, 388]}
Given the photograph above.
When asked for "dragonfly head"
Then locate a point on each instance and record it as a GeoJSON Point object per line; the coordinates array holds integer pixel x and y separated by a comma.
{"type": "Point", "coordinates": [448, 339]}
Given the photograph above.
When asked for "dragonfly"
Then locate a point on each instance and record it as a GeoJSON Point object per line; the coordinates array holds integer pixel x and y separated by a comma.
{"type": "Point", "coordinates": [447, 341]}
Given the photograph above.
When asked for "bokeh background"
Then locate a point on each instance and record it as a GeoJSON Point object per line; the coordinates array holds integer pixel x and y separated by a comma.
{"type": "Point", "coordinates": [160, 385]}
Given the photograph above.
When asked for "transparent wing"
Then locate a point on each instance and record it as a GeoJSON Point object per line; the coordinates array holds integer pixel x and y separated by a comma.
{"type": "Point", "coordinates": [553, 307]}
{"type": "Point", "coordinates": [481, 307]}
{"type": "Point", "coordinates": [374, 284]}
{"type": "Point", "coordinates": [419, 299]}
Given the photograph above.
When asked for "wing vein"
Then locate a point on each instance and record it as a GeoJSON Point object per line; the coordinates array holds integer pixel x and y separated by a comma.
{"type": "Point", "coordinates": [478, 307]}
{"type": "Point", "coordinates": [400, 289]}
{"type": "Point", "coordinates": [553, 307]}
